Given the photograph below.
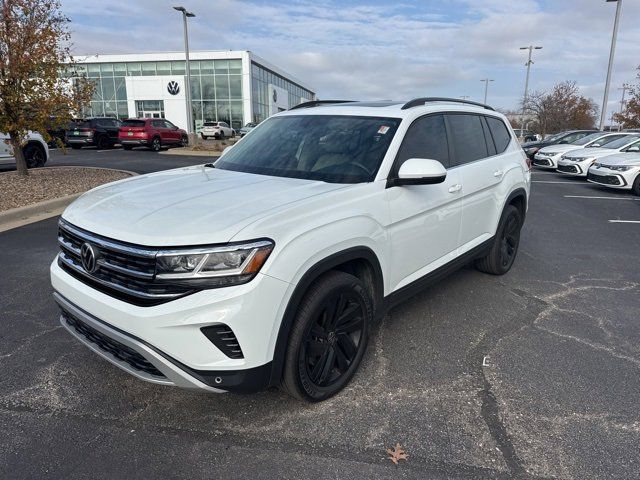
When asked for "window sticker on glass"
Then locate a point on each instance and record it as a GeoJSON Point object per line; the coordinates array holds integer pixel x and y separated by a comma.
{"type": "Point", "coordinates": [383, 129]}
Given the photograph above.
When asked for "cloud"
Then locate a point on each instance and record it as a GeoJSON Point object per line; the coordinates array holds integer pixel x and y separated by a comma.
{"type": "Point", "coordinates": [375, 49]}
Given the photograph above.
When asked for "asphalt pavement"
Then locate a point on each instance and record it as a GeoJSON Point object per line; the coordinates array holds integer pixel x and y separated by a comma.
{"type": "Point", "coordinates": [530, 375]}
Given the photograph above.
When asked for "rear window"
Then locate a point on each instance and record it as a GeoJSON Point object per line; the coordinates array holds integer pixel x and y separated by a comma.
{"type": "Point", "coordinates": [133, 123]}
{"type": "Point", "coordinates": [468, 138]}
{"type": "Point", "coordinates": [79, 124]}
{"type": "Point", "coordinates": [209, 124]}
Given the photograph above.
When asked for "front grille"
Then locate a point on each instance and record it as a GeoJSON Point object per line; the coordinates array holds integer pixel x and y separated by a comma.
{"type": "Point", "coordinates": [542, 161]}
{"type": "Point", "coordinates": [224, 339]}
{"type": "Point", "coordinates": [568, 168]}
{"type": "Point", "coordinates": [605, 179]}
{"type": "Point", "coordinates": [123, 271]}
{"type": "Point", "coordinates": [109, 345]}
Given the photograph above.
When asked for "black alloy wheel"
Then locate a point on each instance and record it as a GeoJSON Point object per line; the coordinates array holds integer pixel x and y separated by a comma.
{"type": "Point", "coordinates": [184, 141]}
{"type": "Point", "coordinates": [329, 337]}
{"type": "Point", "coordinates": [635, 188]}
{"type": "Point", "coordinates": [103, 142]}
{"type": "Point", "coordinates": [504, 249]}
{"type": "Point", "coordinates": [34, 156]}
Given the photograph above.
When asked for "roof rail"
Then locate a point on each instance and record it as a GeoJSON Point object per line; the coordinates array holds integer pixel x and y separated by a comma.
{"type": "Point", "coordinates": [416, 102]}
{"type": "Point", "coordinates": [315, 103]}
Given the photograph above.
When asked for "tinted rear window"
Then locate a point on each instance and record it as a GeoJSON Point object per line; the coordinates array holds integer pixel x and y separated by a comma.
{"type": "Point", "coordinates": [467, 138]}
{"type": "Point", "coordinates": [499, 132]}
{"type": "Point", "coordinates": [209, 124]}
{"type": "Point", "coordinates": [133, 123]}
{"type": "Point", "coordinates": [80, 124]}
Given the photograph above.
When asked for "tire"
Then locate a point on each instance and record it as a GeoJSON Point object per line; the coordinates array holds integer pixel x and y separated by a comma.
{"type": "Point", "coordinates": [635, 189]}
{"type": "Point", "coordinates": [505, 244]}
{"type": "Point", "coordinates": [34, 156]}
{"type": "Point", "coordinates": [75, 146]}
{"type": "Point", "coordinates": [156, 144]}
{"type": "Point", "coordinates": [221, 136]}
{"type": "Point", "coordinates": [324, 351]}
{"type": "Point", "coordinates": [203, 137]}
{"type": "Point", "coordinates": [184, 141]}
{"type": "Point", "coordinates": [127, 147]}
{"type": "Point", "coordinates": [103, 142]}
{"type": "Point", "coordinates": [233, 134]}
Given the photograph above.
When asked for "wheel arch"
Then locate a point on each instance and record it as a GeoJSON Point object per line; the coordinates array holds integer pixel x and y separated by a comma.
{"type": "Point", "coordinates": [518, 198]}
{"type": "Point", "coordinates": [361, 262]}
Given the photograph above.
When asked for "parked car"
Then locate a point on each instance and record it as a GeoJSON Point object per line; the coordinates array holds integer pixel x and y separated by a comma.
{"type": "Point", "coordinates": [35, 150]}
{"type": "Point", "coordinates": [153, 133]}
{"type": "Point", "coordinates": [530, 148]}
{"type": "Point", "coordinates": [621, 171]}
{"type": "Point", "coordinates": [100, 132]}
{"type": "Point", "coordinates": [247, 128]}
{"type": "Point", "coordinates": [577, 162]}
{"type": "Point", "coordinates": [216, 130]}
{"type": "Point", "coordinates": [547, 157]}
{"type": "Point", "coordinates": [269, 267]}
{"type": "Point", "coordinates": [527, 135]}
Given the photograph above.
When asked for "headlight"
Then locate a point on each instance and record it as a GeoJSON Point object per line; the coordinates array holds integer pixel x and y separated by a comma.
{"type": "Point", "coordinates": [596, 164]}
{"type": "Point", "coordinates": [620, 168]}
{"type": "Point", "coordinates": [213, 266]}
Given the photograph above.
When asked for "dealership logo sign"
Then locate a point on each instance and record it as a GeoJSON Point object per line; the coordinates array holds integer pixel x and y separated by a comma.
{"type": "Point", "coordinates": [173, 88]}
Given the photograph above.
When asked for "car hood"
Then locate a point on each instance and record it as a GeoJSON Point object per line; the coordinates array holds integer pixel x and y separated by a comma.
{"type": "Point", "coordinates": [188, 206]}
{"type": "Point", "coordinates": [632, 159]}
{"type": "Point", "coordinates": [559, 148]}
{"type": "Point", "coordinates": [596, 152]}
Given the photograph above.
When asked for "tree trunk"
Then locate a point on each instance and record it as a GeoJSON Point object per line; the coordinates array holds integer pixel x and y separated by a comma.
{"type": "Point", "coordinates": [21, 163]}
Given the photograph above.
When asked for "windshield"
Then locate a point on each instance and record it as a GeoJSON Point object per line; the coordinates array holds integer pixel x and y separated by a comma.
{"type": "Point", "coordinates": [555, 137]}
{"type": "Point", "coordinates": [620, 142]}
{"type": "Point", "coordinates": [587, 139]}
{"type": "Point", "coordinates": [330, 148]}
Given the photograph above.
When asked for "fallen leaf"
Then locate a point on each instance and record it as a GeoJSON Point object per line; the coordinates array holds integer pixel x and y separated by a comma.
{"type": "Point", "coordinates": [397, 453]}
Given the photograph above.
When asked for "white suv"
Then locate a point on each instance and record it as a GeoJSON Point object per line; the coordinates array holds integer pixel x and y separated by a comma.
{"type": "Point", "coordinates": [269, 267]}
{"type": "Point", "coordinates": [36, 151]}
{"type": "Point", "coordinates": [216, 130]}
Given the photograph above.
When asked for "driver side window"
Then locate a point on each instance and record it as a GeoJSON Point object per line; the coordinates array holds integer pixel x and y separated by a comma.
{"type": "Point", "coordinates": [425, 138]}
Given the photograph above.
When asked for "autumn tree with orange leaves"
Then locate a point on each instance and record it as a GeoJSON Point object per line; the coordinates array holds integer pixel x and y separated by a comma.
{"type": "Point", "coordinates": [34, 54]}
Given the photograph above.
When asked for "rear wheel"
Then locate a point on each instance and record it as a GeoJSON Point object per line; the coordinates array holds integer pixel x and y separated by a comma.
{"type": "Point", "coordinates": [127, 147]}
{"type": "Point", "coordinates": [635, 188]}
{"type": "Point", "coordinates": [75, 146]}
{"type": "Point", "coordinates": [156, 144]}
{"type": "Point", "coordinates": [505, 244]}
{"type": "Point", "coordinates": [203, 137]}
{"type": "Point", "coordinates": [329, 337]}
{"type": "Point", "coordinates": [34, 156]}
{"type": "Point", "coordinates": [221, 136]}
{"type": "Point", "coordinates": [103, 142]}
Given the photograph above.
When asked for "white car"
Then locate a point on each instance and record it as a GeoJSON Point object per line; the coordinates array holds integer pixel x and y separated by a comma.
{"type": "Point", "coordinates": [577, 162]}
{"type": "Point", "coordinates": [268, 267]}
{"type": "Point", "coordinates": [216, 130]}
{"type": "Point", "coordinates": [620, 171]}
{"type": "Point", "coordinates": [35, 150]}
{"type": "Point", "coordinates": [547, 157]}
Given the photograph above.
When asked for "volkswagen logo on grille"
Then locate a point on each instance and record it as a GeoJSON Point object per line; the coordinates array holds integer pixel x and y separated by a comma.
{"type": "Point", "coordinates": [173, 87]}
{"type": "Point", "coordinates": [88, 257]}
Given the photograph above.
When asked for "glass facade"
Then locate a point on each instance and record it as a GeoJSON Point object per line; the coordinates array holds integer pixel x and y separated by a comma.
{"type": "Point", "coordinates": [261, 78]}
{"type": "Point", "coordinates": [216, 88]}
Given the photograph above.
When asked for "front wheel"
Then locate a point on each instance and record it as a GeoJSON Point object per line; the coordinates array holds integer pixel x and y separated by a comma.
{"type": "Point", "coordinates": [505, 244]}
{"type": "Point", "coordinates": [184, 141]}
{"type": "Point", "coordinates": [636, 186]}
{"type": "Point", "coordinates": [329, 337]}
{"type": "Point", "coordinates": [34, 156]}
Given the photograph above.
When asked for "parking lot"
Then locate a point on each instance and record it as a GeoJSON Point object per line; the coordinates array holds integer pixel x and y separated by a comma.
{"type": "Point", "coordinates": [532, 374]}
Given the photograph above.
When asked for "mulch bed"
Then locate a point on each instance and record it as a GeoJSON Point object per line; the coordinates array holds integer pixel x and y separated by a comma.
{"type": "Point", "coordinates": [48, 183]}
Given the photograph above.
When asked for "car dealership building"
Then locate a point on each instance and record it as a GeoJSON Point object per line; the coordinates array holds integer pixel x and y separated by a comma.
{"type": "Point", "coordinates": [231, 86]}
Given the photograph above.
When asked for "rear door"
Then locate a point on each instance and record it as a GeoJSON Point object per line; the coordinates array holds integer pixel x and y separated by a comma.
{"type": "Point", "coordinates": [425, 219]}
{"type": "Point", "coordinates": [481, 171]}
{"type": "Point", "coordinates": [161, 129]}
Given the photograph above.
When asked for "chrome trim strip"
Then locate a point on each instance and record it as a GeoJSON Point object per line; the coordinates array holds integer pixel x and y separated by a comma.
{"type": "Point", "coordinates": [100, 242]}
{"type": "Point", "coordinates": [175, 375]}
{"type": "Point", "coordinates": [222, 248]}
{"type": "Point", "coordinates": [124, 271]}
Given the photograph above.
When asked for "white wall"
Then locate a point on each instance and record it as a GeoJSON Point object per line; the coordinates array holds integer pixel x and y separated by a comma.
{"type": "Point", "coordinates": [155, 88]}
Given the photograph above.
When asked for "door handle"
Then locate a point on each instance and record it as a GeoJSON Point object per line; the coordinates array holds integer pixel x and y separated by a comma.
{"type": "Point", "coordinates": [455, 188]}
{"type": "Point", "coordinates": [498, 173]}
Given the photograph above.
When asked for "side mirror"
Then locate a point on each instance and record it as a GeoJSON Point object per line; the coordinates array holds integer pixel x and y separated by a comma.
{"type": "Point", "coordinates": [226, 150]}
{"type": "Point", "coordinates": [420, 171]}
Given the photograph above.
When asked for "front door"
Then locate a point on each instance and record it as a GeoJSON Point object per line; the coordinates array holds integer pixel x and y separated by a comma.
{"type": "Point", "coordinates": [425, 219]}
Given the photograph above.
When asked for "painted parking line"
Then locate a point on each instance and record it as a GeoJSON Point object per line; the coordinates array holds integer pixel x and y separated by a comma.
{"type": "Point", "coordinates": [554, 181]}
{"type": "Point", "coordinates": [603, 198]}
{"type": "Point", "coordinates": [624, 221]}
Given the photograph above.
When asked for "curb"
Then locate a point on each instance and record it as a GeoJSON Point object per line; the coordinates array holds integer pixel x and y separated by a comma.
{"type": "Point", "coordinates": [18, 217]}
{"type": "Point", "coordinates": [190, 153]}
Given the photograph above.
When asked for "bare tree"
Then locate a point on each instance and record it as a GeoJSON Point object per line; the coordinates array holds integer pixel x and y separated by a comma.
{"type": "Point", "coordinates": [630, 116]}
{"type": "Point", "coordinates": [34, 57]}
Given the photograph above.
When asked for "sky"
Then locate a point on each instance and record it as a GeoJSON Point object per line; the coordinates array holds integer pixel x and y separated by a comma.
{"type": "Point", "coordinates": [375, 49]}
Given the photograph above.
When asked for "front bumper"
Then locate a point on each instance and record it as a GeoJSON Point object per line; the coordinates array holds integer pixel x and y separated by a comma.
{"type": "Point", "coordinates": [545, 162]}
{"type": "Point", "coordinates": [575, 169]}
{"type": "Point", "coordinates": [169, 336]}
{"type": "Point", "coordinates": [609, 178]}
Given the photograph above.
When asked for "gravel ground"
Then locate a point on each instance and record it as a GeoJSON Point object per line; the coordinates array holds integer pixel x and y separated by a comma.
{"type": "Point", "coordinates": [49, 183]}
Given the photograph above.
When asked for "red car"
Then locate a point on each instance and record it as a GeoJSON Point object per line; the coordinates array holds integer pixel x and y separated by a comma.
{"type": "Point", "coordinates": [153, 133]}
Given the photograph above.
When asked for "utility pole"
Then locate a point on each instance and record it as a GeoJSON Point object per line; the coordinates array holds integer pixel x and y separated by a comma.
{"type": "Point", "coordinates": [486, 87]}
{"type": "Point", "coordinates": [531, 48]}
{"type": "Point", "coordinates": [186, 14]}
{"type": "Point", "coordinates": [625, 87]}
{"type": "Point", "coordinates": [609, 68]}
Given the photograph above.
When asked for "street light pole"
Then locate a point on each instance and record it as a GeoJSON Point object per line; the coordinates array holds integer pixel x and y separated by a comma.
{"type": "Point", "coordinates": [531, 48]}
{"type": "Point", "coordinates": [486, 87]}
{"type": "Point", "coordinates": [188, 14]}
{"type": "Point", "coordinates": [611, 55]}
